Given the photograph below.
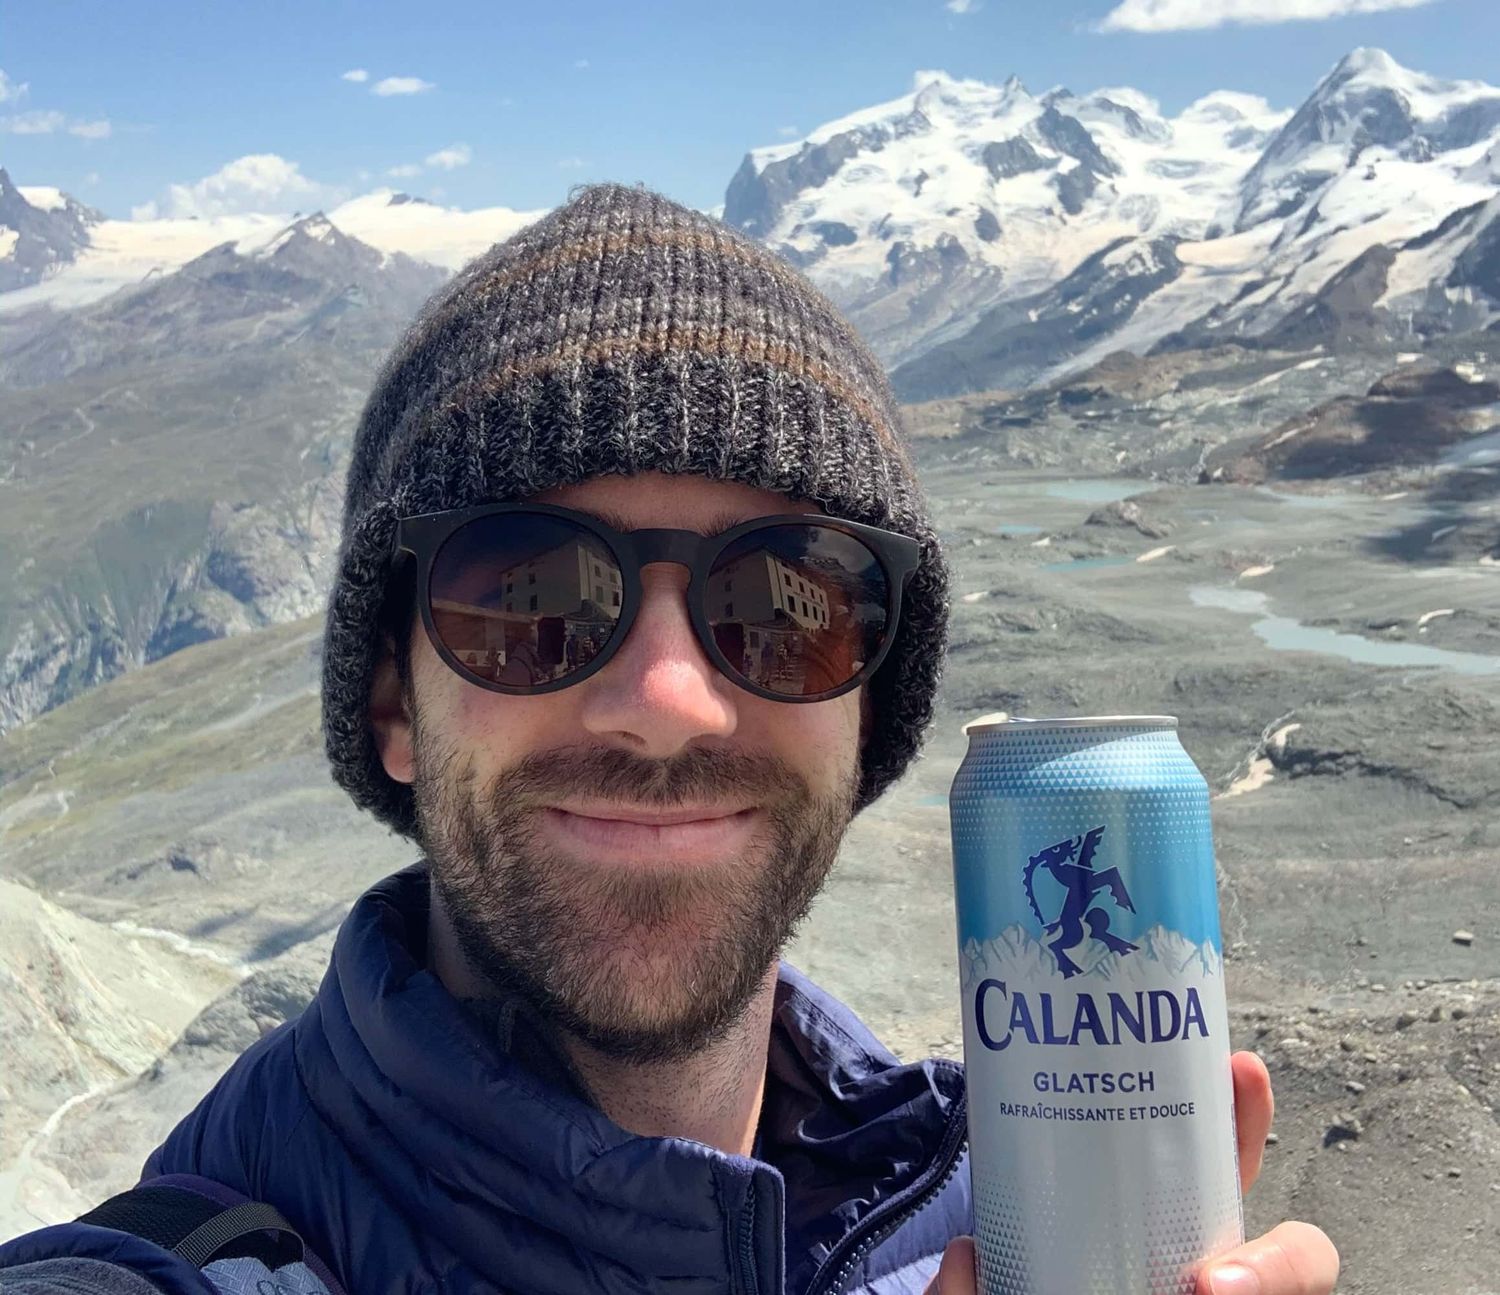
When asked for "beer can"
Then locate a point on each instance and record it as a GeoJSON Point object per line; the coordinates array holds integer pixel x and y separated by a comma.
{"type": "Point", "coordinates": [1096, 1036]}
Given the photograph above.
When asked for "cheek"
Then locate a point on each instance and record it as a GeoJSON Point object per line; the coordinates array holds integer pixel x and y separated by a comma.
{"type": "Point", "coordinates": [821, 740]}
{"type": "Point", "coordinates": [483, 730]}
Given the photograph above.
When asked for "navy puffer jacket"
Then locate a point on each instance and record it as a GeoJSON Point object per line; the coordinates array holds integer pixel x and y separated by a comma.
{"type": "Point", "coordinates": [417, 1147]}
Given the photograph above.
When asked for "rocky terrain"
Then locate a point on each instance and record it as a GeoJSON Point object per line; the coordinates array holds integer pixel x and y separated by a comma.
{"type": "Point", "coordinates": [171, 458]}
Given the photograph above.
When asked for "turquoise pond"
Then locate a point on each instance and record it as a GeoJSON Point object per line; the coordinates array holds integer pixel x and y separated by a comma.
{"type": "Point", "coordinates": [1288, 635]}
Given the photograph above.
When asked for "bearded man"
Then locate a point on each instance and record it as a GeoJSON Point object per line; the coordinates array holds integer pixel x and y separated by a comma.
{"type": "Point", "coordinates": [638, 604]}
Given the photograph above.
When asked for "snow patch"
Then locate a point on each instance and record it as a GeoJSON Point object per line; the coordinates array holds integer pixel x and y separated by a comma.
{"type": "Point", "coordinates": [44, 197]}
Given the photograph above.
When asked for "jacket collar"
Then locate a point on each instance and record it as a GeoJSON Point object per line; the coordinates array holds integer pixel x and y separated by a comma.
{"type": "Point", "coordinates": [486, 1141]}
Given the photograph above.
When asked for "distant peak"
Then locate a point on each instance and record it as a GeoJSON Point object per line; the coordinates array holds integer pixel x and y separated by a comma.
{"type": "Point", "coordinates": [928, 78]}
{"type": "Point", "coordinates": [935, 84]}
{"type": "Point", "coordinates": [1367, 61]}
{"type": "Point", "coordinates": [315, 227]}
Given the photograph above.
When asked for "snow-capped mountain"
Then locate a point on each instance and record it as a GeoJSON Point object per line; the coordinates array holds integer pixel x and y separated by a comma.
{"type": "Point", "coordinates": [981, 236]}
{"type": "Point", "coordinates": [1164, 958]}
{"type": "Point", "coordinates": [918, 213]}
{"type": "Point", "coordinates": [41, 229]}
{"type": "Point", "coordinates": [1378, 156]}
{"type": "Point", "coordinates": [1369, 113]}
{"type": "Point", "coordinates": [105, 255]}
{"type": "Point", "coordinates": [308, 278]}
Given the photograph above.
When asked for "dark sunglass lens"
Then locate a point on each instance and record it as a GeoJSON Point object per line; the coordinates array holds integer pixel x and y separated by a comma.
{"type": "Point", "coordinates": [525, 598]}
{"type": "Point", "coordinates": [798, 609]}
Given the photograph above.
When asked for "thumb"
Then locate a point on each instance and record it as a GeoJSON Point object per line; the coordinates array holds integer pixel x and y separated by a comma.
{"type": "Point", "coordinates": [956, 1274]}
{"type": "Point", "coordinates": [1292, 1259]}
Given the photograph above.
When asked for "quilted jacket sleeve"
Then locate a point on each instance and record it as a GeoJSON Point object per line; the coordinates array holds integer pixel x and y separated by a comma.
{"type": "Point", "coordinates": [80, 1259]}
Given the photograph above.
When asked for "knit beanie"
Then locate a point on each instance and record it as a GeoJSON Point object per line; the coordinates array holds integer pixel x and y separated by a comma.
{"type": "Point", "coordinates": [624, 333]}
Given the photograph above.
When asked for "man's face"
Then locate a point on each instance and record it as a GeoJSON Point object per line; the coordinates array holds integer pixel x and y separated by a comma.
{"type": "Point", "coordinates": [646, 940]}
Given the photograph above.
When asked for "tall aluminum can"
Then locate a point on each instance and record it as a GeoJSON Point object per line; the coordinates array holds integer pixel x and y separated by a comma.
{"type": "Point", "coordinates": [1096, 1037]}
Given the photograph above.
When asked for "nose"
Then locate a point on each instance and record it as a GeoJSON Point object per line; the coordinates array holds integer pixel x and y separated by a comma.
{"type": "Point", "coordinates": [659, 692]}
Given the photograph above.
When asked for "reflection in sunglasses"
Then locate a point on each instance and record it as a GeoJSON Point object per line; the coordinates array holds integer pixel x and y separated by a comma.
{"type": "Point", "coordinates": [795, 610]}
{"type": "Point", "coordinates": [535, 606]}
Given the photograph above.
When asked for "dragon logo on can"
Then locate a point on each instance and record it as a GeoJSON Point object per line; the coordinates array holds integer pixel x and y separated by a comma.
{"type": "Point", "coordinates": [1071, 863]}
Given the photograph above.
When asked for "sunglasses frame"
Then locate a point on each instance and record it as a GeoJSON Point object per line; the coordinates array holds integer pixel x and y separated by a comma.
{"type": "Point", "coordinates": [423, 536]}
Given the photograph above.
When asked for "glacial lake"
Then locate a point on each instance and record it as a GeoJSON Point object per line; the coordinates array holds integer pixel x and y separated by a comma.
{"type": "Point", "coordinates": [1288, 635]}
{"type": "Point", "coordinates": [1099, 490]}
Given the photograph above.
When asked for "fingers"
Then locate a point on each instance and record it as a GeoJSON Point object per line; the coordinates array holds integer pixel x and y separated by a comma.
{"type": "Point", "coordinates": [1292, 1259]}
{"type": "Point", "coordinates": [1254, 1108]}
{"type": "Point", "coordinates": [956, 1274]}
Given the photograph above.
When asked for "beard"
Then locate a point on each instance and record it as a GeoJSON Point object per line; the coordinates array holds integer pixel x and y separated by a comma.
{"type": "Point", "coordinates": [642, 965]}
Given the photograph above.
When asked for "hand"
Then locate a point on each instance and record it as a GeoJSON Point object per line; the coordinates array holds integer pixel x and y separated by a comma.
{"type": "Point", "coordinates": [1291, 1259]}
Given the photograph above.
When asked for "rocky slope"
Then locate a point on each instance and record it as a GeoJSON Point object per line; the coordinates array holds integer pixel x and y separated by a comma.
{"type": "Point", "coordinates": [85, 1006]}
{"type": "Point", "coordinates": [173, 455]}
{"type": "Point", "coordinates": [1407, 419]}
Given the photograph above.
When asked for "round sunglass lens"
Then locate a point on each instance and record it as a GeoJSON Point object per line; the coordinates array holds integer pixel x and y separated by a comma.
{"type": "Point", "coordinates": [798, 609]}
{"type": "Point", "coordinates": [524, 599]}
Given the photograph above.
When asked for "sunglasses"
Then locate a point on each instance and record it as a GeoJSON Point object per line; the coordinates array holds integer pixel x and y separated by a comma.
{"type": "Point", "coordinates": [530, 598]}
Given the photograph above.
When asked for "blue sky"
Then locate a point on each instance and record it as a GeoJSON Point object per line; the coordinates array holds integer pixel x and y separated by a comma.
{"type": "Point", "coordinates": [119, 101]}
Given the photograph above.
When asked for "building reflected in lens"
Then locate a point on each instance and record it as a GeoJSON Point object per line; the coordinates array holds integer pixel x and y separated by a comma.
{"type": "Point", "coordinates": [541, 616]}
{"type": "Point", "coordinates": [773, 620]}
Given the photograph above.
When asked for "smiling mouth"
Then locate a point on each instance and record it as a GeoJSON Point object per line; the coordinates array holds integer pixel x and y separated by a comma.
{"type": "Point", "coordinates": [631, 835]}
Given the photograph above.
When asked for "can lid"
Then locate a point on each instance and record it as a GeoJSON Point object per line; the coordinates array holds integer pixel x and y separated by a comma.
{"type": "Point", "coordinates": [1013, 723]}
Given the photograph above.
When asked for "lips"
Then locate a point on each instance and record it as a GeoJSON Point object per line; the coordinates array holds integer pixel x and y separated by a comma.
{"type": "Point", "coordinates": [651, 818]}
{"type": "Point", "coordinates": [632, 836]}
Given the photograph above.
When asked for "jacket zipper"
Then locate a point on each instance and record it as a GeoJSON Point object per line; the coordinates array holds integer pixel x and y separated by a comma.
{"type": "Point", "coordinates": [880, 1223]}
{"type": "Point", "coordinates": [749, 1281]}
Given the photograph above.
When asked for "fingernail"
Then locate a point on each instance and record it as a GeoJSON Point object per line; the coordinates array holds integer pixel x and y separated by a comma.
{"type": "Point", "coordinates": [1234, 1279]}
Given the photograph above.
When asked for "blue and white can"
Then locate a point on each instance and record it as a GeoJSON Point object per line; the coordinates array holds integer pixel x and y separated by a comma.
{"type": "Point", "coordinates": [1096, 1036]}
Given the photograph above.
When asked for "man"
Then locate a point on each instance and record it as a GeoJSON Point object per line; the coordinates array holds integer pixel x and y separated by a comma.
{"type": "Point", "coordinates": [562, 1054]}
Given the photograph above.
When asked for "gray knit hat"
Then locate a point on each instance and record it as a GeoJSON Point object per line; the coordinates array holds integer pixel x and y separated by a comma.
{"type": "Point", "coordinates": [624, 333]}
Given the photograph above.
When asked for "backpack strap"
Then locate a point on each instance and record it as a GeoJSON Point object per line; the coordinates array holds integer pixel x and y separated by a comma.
{"type": "Point", "coordinates": [176, 1217]}
{"type": "Point", "coordinates": [224, 1234]}
{"type": "Point", "coordinates": [208, 1238]}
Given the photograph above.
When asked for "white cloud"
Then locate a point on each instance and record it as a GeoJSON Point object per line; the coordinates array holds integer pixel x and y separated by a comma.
{"type": "Point", "coordinates": [91, 178]}
{"type": "Point", "coordinates": [788, 132]}
{"type": "Point", "coordinates": [1196, 15]}
{"type": "Point", "coordinates": [43, 121]}
{"type": "Point", "coordinates": [35, 122]}
{"type": "Point", "coordinates": [401, 85]}
{"type": "Point", "coordinates": [405, 171]}
{"type": "Point", "coordinates": [571, 163]}
{"type": "Point", "coordinates": [48, 121]}
{"type": "Point", "coordinates": [258, 182]}
{"type": "Point", "coordinates": [447, 159]}
{"type": "Point", "coordinates": [962, 6]}
{"type": "Point", "coordinates": [356, 74]}
{"type": "Point", "coordinates": [580, 63]}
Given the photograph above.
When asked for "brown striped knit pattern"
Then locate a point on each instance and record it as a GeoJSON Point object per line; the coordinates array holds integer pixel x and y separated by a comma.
{"type": "Point", "coordinates": [624, 333]}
